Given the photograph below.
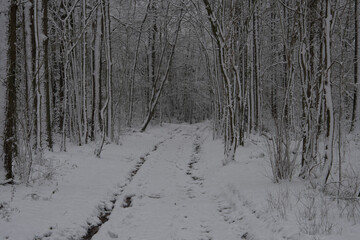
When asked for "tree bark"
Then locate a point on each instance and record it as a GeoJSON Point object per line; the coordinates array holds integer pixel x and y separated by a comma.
{"type": "Point", "coordinates": [46, 74]}
{"type": "Point", "coordinates": [132, 83]}
{"type": "Point", "coordinates": [355, 121]}
{"type": "Point", "coordinates": [229, 84]}
{"type": "Point", "coordinates": [97, 75]}
{"type": "Point", "coordinates": [106, 17]}
{"type": "Point", "coordinates": [84, 102]}
{"type": "Point", "coordinates": [10, 118]}
{"type": "Point", "coordinates": [38, 73]}
{"type": "Point", "coordinates": [329, 110]}
{"type": "Point", "coordinates": [156, 92]}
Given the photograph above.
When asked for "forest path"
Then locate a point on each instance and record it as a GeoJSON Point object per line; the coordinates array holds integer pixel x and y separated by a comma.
{"type": "Point", "coordinates": [165, 200]}
{"type": "Point", "coordinates": [167, 183]}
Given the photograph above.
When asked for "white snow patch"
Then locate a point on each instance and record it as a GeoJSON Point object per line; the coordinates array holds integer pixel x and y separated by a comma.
{"type": "Point", "coordinates": [60, 205]}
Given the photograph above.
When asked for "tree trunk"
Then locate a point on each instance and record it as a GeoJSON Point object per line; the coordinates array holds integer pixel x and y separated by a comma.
{"type": "Point", "coordinates": [106, 17]}
{"type": "Point", "coordinates": [329, 111]}
{"type": "Point", "coordinates": [46, 74]}
{"type": "Point", "coordinates": [256, 67]}
{"type": "Point", "coordinates": [10, 118]}
{"type": "Point", "coordinates": [132, 83]}
{"type": "Point", "coordinates": [156, 92]}
{"type": "Point", "coordinates": [38, 73]}
{"type": "Point", "coordinates": [355, 121]}
{"type": "Point", "coordinates": [228, 82]}
{"type": "Point", "coordinates": [84, 104]}
{"type": "Point", "coordinates": [65, 100]}
{"type": "Point", "coordinates": [97, 75]}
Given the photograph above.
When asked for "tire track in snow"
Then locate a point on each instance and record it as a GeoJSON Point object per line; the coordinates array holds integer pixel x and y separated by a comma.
{"type": "Point", "coordinates": [195, 158]}
{"type": "Point", "coordinates": [240, 216]}
{"type": "Point", "coordinates": [105, 208]}
{"type": "Point", "coordinates": [127, 200]}
{"type": "Point", "coordinates": [161, 200]}
{"type": "Point", "coordinates": [170, 200]}
{"type": "Point", "coordinates": [222, 210]}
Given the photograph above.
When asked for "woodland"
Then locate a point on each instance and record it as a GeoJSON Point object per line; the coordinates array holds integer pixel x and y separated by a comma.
{"type": "Point", "coordinates": [180, 119]}
{"type": "Point", "coordinates": [86, 71]}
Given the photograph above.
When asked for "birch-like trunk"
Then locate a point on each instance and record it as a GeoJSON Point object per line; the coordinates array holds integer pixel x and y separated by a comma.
{"type": "Point", "coordinates": [106, 129]}
{"type": "Point", "coordinates": [38, 73]}
{"type": "Point", "coordinates": [329, 109]}
{"type": "Point", "coordinates": [84, 102]}
{"type": "Point", "coordinates": [218, 31]}
{"type": "Point", "coordinates": [97, 75]}
{"type": "Point", "coordinates": [305, 59]}
{"type": "Point", "coordinates": [106, 17]}
{"type": "Point", "coordinates": [65, 100]}
{"type": "Point", "coordinates": [256, 67]}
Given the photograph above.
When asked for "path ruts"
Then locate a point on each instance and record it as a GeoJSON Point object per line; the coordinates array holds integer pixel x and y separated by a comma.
{"type": "Point", "coordinates": [106, 208]}
{"type": "Point", "coordinates": [127, 200]}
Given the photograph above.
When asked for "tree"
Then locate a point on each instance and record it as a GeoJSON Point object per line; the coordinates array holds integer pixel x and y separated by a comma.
{"type": "Point", "coordinates": [326, 85]}
{"type": "Point", "coordinates": [133, 70]}
{"type": "Point", "coordinates": [107, 106]}
{"type": "Point", "coordinates": [96, 95]}
{"type": "Point", "coordinates": [10, 118]}
{"type": "Point", "coordinates": [355, 121]}
{"type": "Point", "coordinates": [107, 40]}
{"type": "Point", "coordinates": [230, 60]}
{"type": "Point", "coordinates": [39, 70]}
{"type": "Point", "coordinates": [46, 74]}
{"type": "Point", "coordinates": [84, 100]}
{"type": "Point", "coordinates": [158, 79]}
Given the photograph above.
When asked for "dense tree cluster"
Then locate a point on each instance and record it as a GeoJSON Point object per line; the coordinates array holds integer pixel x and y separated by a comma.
{"type": "Point", "coordinates": [84, 70]}
{"type": "Point", "coordinates": [289, 68]}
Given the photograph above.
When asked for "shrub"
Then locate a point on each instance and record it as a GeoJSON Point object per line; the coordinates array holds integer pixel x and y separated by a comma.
{"type": "Point", "coordinates": [283, 152]}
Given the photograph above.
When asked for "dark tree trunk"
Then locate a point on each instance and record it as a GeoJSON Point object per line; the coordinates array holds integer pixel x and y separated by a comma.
{"type": "Point", "coordinates": [26, 67]}
{"type": "Point", "coordinates": [10, 120]}
{"type": "Point", "coordinates": [356, 69]}
{"type": "Point", "coordinates": [46, 74]}
{"type": "Point", "coordinates": [34, 70]}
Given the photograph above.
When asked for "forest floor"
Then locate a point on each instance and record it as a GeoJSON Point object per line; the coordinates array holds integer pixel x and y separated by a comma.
{"type": "Point", "coordinates": [169, 183]}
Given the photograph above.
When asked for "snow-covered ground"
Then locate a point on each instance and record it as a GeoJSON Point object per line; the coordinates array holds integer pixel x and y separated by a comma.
{"type": "Point", "coordinates": [169, 183]}
{"type": "Point", "coordinates": [72, 189]}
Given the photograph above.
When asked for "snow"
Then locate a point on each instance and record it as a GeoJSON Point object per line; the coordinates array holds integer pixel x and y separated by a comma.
{"type": "Point", "coordinates": [68, 196]}
{"type": "Point", "coordinates": [181, 191]}
{"type": "Point", "coordinates": [167, 203]}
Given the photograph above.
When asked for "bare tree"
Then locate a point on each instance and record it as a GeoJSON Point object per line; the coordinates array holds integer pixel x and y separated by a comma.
{"type": "Point", "coordinates": [355, 122]}
{"type": "Point", "coordinates": [326, 85]}
{"type": "Point", "coordinates": [10, 118]}
{"type": "Point", "coordinates": [96, 75]}
{"type": "Point", "coordinates": [47, 84]}
{"type": "Point", "coordinates": [159, 79]}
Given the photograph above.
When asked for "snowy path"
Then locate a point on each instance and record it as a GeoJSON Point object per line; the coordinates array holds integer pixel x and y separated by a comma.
{"type": "Point", "coordinates": [167, 200]}
{"type": "Point", "coordinates": [72, 188]}
{"type": "Point", "coordinates": [164, 184]}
